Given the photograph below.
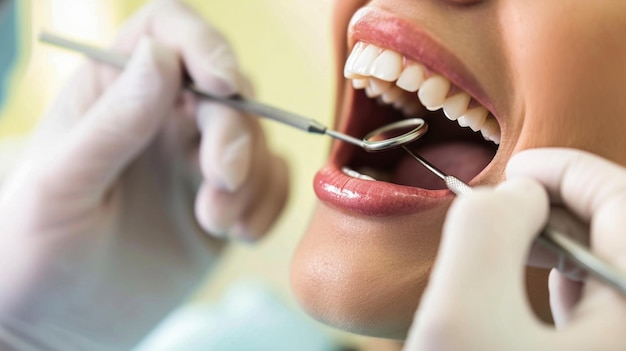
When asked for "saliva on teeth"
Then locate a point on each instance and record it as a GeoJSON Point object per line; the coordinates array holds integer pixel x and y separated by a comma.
{"type": "Point", "coordinates": [354, 174]}
{"type": "Point", "coordinates": [385, 74]}
{"type": "Point", "coordinates": [368, 173]}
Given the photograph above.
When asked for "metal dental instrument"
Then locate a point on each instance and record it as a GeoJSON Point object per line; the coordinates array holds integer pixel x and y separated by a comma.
{"type": "Point", "coordinates": [407, 130]}
{"type": "Point", "coordinates": [402, 133]}
{"type": "Point", "coordinates": [556, 241]}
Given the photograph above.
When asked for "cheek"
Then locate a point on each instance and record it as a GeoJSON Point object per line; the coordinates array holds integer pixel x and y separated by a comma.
{"type": "Point", "coordinates": [569, 71]}
{"type": "Point", "coordinates": [342, 12]}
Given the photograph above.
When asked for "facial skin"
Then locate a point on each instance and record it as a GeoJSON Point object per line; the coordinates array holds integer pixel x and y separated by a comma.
{"type": "Point", "coordinates": [552, 73]}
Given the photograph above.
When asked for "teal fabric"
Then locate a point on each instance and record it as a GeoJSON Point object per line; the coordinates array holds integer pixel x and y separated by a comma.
{"type": "Point", "coordinates": [8, 44]}
{"type": "Point", "coordinates": [249, 317]}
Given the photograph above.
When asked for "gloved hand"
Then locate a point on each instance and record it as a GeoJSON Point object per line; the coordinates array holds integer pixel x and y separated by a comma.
{"type": "Point", "coordinates": [476, 298]}
{"type": "Point", "coordinates": [100, 236]}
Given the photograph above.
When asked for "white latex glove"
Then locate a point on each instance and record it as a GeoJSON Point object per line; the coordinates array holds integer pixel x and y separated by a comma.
{"type": "Point", "coordinates": [99, 237]}
{"type": "Point", "coordinates": [476, 299]}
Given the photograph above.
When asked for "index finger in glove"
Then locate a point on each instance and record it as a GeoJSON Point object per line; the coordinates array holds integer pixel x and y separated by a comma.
{"type": "Point", "coordinates": [245, 186]}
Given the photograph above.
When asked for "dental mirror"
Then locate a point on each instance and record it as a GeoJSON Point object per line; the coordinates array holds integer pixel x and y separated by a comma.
{"type": "Point", "coordinates": [395, 134]}
{"type": "Point", "coordinates": [384, 138]}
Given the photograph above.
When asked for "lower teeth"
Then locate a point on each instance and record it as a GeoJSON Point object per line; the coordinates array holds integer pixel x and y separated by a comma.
{"type": "Point", "coordinates": [354, 174]}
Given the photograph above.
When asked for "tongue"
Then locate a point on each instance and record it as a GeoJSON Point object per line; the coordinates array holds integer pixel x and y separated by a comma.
{"type": "Point", "coordinates": [464, 160]}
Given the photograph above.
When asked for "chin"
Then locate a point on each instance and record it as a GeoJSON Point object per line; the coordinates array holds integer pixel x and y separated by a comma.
{"type": "Point", "coordinates": [365, 259]}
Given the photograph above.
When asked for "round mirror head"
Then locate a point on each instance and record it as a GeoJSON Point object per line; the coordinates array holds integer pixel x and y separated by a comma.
{"type": "Point", "coordinates": [395, 134]}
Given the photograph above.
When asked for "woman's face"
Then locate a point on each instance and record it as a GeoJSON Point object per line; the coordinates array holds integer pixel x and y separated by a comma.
{"type": "Point", "coordinates": [524, 73]}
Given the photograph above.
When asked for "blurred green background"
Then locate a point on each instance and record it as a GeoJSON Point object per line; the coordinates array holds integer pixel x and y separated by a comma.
{"type": "Point", "coordinates": [284, 46]}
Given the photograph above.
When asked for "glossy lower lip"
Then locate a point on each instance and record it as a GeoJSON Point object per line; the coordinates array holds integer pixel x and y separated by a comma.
{"type": "Point", "coordinates": [373, 198]}
{"type": "Point", "coordinates": [377, 198]}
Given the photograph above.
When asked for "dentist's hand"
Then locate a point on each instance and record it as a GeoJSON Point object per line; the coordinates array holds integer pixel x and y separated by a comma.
{"type": "Point", "coordinates": [476, 297]}
{"type": "Point", "coordinates": [104, 227]}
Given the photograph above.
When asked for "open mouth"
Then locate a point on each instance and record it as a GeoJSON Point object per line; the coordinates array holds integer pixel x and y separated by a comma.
{"type": "Point", "coordinates": [397, 72]}
{"type": "Point", "coordinates": [463, 135]}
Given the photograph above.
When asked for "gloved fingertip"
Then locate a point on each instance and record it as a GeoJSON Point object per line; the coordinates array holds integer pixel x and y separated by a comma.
{"type": "Point", "coordinates": [235, 162]}
{"type": "Point", "coordinates": [226, 149]}
{"type": "Point", "coordinates": [217, 232]}
{"type": "Point", "coordinates": [530, 191]}
{"type": "Point", "coordinates": [212, 227]}
{"type": "Point", "coordinates": [209, 217]}
{"type": "Point", "coordinates": [243, 233]}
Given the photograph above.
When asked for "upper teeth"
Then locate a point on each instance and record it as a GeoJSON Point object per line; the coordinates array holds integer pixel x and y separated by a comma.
{"type": "Point", "coordinates": [375, 70]}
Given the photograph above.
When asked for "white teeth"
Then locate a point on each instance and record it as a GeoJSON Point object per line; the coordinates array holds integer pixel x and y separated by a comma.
{"type": "Point", "coordinates": [378, 87]}
{"type": "Point", "coordinates": [411, 109]}
{"type": "Point", "coordinates": [349, 71]}
{"type": "Point", "coordinates": [475, 118]}
{"type": "Point", "coordinates": [400, 102]}
{"type": "Point", "coordinates": [462, 121]}
{"type": "Point", "coordinates": [354, 174]}
{"type": "Point", "coordinates": [455, 106]}
{"type": "Point", "coordinates": [387, 66]}
{"type": "Point", "coordinates": [491, 130]}
{"type": "Point", "coordinates": [360, 83]}
{"type": "Point", "coordinates": [377, 71]}
{"type": "Point", "coordinates": [365, 59]}
{"type": "Point", "coordinates": [392, 95]}
{"type": "Point", "coordinates": [411, 78]}
{"type": "Point", "coordinates": [433, 92]}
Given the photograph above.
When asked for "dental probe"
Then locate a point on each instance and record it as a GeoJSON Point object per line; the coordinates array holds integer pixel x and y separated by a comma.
{"type": "Point", "coordinates": [412, 129]}
{"type": "Point", "coordinates": [237, 102]}
{"type": "Point", "coordinates": [556, 241]}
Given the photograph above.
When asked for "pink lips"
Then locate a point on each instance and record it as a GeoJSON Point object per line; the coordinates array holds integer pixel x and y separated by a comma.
{"type": "Point", "coordinates": [371, 198]}
{"type": "Point", "coordinates": [379, 198]}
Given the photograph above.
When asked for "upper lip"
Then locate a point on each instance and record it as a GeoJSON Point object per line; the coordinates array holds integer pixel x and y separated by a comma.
{"type": "Point", "coordinates": [387, 30]}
